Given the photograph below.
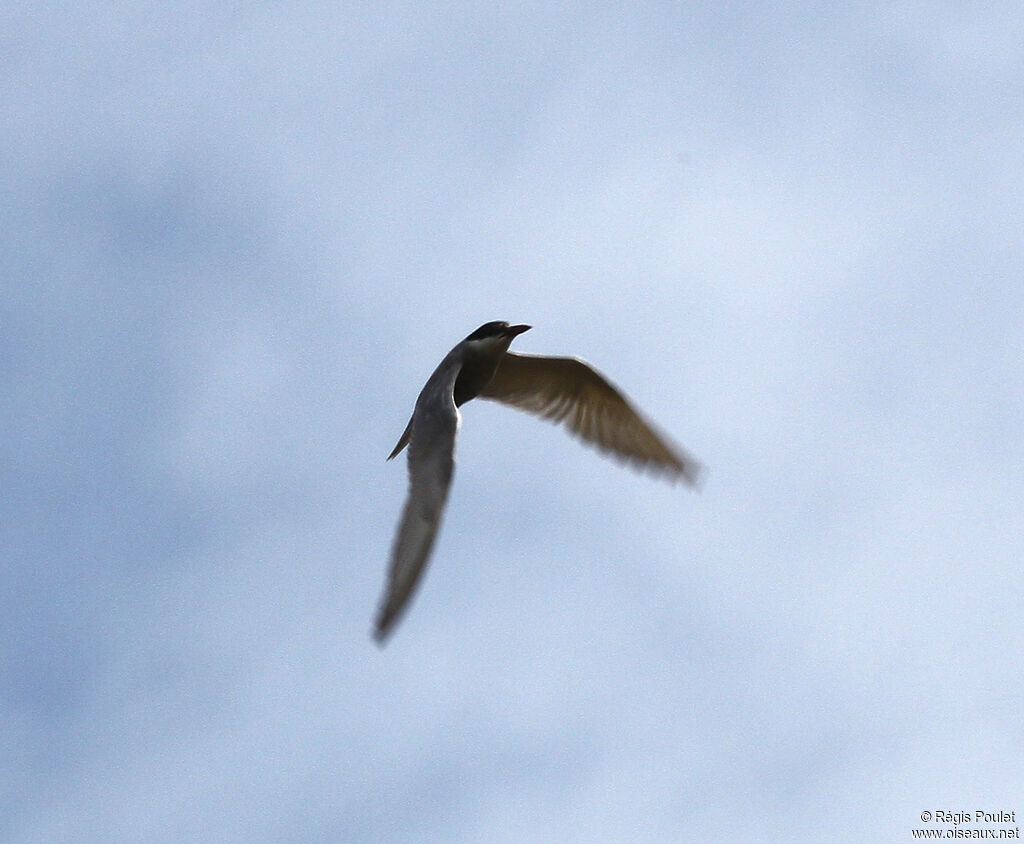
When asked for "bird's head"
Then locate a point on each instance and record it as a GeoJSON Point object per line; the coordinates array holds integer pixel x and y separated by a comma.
{"type": "Point", "coordinates": [495, 334]}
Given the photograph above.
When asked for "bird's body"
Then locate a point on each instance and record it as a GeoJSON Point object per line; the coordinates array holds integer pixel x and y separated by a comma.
{"type": "Point", "coordinates": [560, 389]}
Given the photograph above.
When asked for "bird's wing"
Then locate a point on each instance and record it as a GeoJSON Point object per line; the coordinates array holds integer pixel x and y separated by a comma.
{"type": "Point", "coordinates": [568, 390]}
{"type": "Point", "coordinates": [432, 429]}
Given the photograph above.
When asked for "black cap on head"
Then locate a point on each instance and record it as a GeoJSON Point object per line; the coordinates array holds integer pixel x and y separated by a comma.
{"type": "Point", "coordinates": [497, 329]}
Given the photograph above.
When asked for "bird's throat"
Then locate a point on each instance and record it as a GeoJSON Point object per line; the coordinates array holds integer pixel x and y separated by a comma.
{"type": "Point", "coordinates": [476, 373]}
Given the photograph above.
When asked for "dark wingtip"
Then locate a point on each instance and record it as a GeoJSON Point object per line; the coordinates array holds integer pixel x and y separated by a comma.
{"type": "Point", "coordinates": [384, 624]}
{"type": "Point", "coordinates": [382, 630]}
{"type": "Point", "coordinates": [695, 474]}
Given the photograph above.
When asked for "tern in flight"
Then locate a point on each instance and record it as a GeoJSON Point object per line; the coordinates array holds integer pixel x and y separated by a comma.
{"type": "Point", "coordinates": [560, 389]}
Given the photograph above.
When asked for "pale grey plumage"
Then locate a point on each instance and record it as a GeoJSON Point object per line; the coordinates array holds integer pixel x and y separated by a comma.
{"type": "Point", "coordinates": [559, 389]}
{"type": "Point", "coordinates": [431, 435]}
{"type": "Point", "coordinates": [569, 390]}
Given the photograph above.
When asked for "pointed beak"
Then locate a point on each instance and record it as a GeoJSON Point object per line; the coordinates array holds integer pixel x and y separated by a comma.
{"type": "Point", "coordinates": [516, 330]}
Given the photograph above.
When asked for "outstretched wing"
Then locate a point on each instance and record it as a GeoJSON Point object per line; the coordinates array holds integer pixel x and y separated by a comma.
{"type": "Point", "coordinates": [568, 390]}
{"type": "Point", "coordinates": [431, 439]}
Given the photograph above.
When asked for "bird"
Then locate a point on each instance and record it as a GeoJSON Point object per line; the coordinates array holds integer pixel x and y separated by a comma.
{"type": "Point", "coordinates": [564, 390]}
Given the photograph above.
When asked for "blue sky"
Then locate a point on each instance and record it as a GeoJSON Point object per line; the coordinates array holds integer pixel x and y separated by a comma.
{"type": "Point", "coordinates": [237, 239]}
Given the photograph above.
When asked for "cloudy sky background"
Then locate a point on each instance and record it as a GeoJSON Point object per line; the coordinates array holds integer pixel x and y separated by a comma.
{"type": "Point", "coordinates": [235, 241]}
